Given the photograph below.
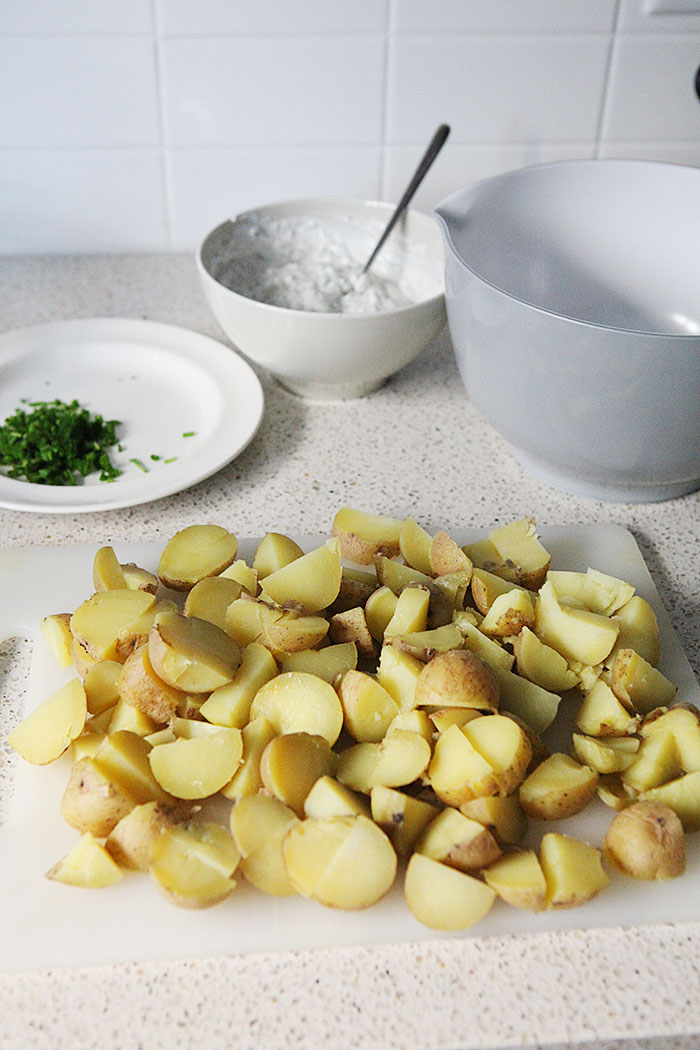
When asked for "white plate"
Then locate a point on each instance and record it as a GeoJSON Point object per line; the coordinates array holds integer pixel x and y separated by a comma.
{"type": "Point", "coordinates": [45, 924]}
{"type": "Point", "coordinates": [160, 381]}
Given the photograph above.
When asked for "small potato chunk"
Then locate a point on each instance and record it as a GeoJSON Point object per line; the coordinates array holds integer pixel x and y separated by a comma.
{"type": "Point", "coordinates": [297, 702]}
{"type": "Point", "coordinates": [259, 825]}
{"type": "Point", "coordinates": [558, 787]}
{"type": "Point", "coordinates": [292, 633]}
{"type": "Point", "coordinates": [47, 731]}
{"type": "Point", "coordinates": [503, 816]}
{"type": "Point", "coordinates": [130, 840]}
{"type": "Point", "coordinates": [330, 798]}
{"type": "Point", "coordinates": [379, 609]}
{"type": "Point", "coordinates": [328, 663]}
{"type": "Point", "coordinates": [124, 716]}
{"type": "Point", "coordinates": [195, 552]}
{"type": "Point", "coordinates": [362, 535]}
{"type": "Point", "coordinates": [101, 684]}
{"type": "Point", "coordinates": [656, 762]}
{"type": "Point", "coordinates": [400, 758]}
{"type": "Point", "coordinates": [457, 678]}
{"type": "Point", "coordinates": [576, 633]}
{"type": "Point", "coordinates": [401, 816]}
{"type": "Point", "coordinates": [351, 626]}
{"type": "Point", "coordinates": [458, 841]}
{"type": "Point", "coordinates": [424, 645]}
{"type": "Point", "coordinates": [191, 654]}
{"type": "Point", "coordinates": [602, 714]}
{"type": "Point", "coordinates": [368, 708]}
{"type": "Point", "coordinates": [519, 880]}
{"type": "Point", "coordinates": [356, 587]}
{"type": "Point", "coordinates": [107, 573]}
{"type": "Point", "coordinates": [138, 579]}
{"type": "Point", "coordinates": [446, 556]}
{"type": "Point", "coordinates": [398, 673]}
{"type": "Point", "coordinates": [274, 551]}
{"type": "Point", "coordinates": [411, 612]}
{"type": "Point", "coordinates": [200, 766]}
{"type": "Point", "coordinates": [209, 599]}
{"type": "Point", "coordinates": [522, 557]}
{"type": "Point", "coordinates": [487, 756]}
{"type": "Point", "coordinates": [541, 664]}
{"type": "Point", "coordinates": [91, 801]}
{"type": "Point", "coordinates": [638, 685]}
{"type": "Point", "coordinates": [142, 689]}
{"type": "Point", "coordinates": [291, 764]}
{"type": "Point", "coordinates": [88, 865]}
{"type": "Point", "coordinates": [683, 721]}
{"type": "Point", "coordinates": [490, 650]}
{"type": "Point", "coordinates": [509, 614]}
{"type": "Point", "coordinates": [646, 841]}
{"type": "Point", "coordinates": [535, 706]}
{"type": "Point", "coordinates": [342, 862]}
{"type": "Point", "coordinates": [312, 581]}
{"type": "Point", "coordinates": [397, 577]}
{"type": "Point", "coordinates": [443, 898]}
{"type": "Point", "coordinates": [487, 586]}
{"type": "Point", "coordinates": [57, 632]}
{"type": "Point", "coordinates": [639, 629]}
{"type": "Point", "coordinates": [242, 573]}
{"type": "Point", "coordinates": [230, 704]}
{"type": "Point", "coordinates": [99, 623]}
{"type": "Point", "coordinates": [414, 545]}
{"type": "Point", "coordinates": [124, 759]}
{"type": "Point", "coordinates": [506, 747]}
{"type": "Point", "coordinates": [682, 795]}
{"type": "Point", "coordinates": [194, 863]}
{"type": "Point", "coordinates": [609, 755]}
{"type": "Point", "coordinates": [247, 780]}
{"type": "Point", "coordinates": [572, 869]}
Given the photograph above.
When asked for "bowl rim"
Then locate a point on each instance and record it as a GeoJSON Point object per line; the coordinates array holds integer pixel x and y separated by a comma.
{"type": "Point", "coordinates": [334, 317]}
{"type": "Point", "coordinates": [590, 162]}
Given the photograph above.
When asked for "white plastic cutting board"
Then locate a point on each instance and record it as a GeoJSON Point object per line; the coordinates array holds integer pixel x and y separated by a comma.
{"type": "Point", "coordinates": [47, 924]}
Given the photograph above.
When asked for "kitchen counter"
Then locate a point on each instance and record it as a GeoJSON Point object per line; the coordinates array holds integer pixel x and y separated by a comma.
{"type": "Point", "coordinates": [415, 447]}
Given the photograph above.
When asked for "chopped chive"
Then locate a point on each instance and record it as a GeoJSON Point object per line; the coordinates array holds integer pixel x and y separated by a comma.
{"type": "Point", "coordinates": [154, 457]}
{"type": "Point", "coordinates": [188, 433]}
{"type": "Point", "coordinates": [171, 460]}
{"type": "Point", "coordinates": [139, 464]}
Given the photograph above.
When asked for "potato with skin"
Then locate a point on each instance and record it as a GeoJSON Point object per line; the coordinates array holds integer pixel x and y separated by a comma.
{"type": "Point", "coordinates": [490, 650]}
{"type": "Point", "coordinates": [379, 609]}
{"type": "Point", "coordinates": [328, 663]}
{"type": "Point", "coordinates": [601, 714]}
{"type": "Point", "coordinates": [522, 557]}
{"type": "Point", "coordinates": [291, 764]}
{"type": "Point", "coordinates": [192, 655]}
{"type": "Point", "coordinates": [458, 841]}
{"type": "Point", "coordinates": [682, 795]}
{"type": "Point", "coordinates": [397, 577]}
{"type": "Point", "coordinates": [572, 869]}
{"type": "Point", "coordinates": [399, 759]}
{"type": "Point", "coordinates": [638, 685]}
{"type": "Point", "coordinates": [576, 633]}
{"type": "Point", "coordinates": [368, 709]}
{"type": "Point", "coordinates": [242, 573]}
{"type": "Point", "coordinates": [608, 755]}
{"type": "Point", "coordinates": [200, 766]}
{"type": "Point", "coordinates": [541, 664]}
{"type": "Point", "coordinates": [255, 736]}
{"type": "Point", "coordinates": [193, 863]}
{"type": "Point", "coordinates": [312, 581]}
{"type": "Point", "coordinates": [274, 551]}
{"type": "Point", "coordinates": [487, 586]}
{"type": "Point", "coordinates": [477, 759]}
{"type": "Point", "coordinates": [56, 630]}
{"type": "Point", "coordinates": [130, 840]}
{"type": "Point", "coordinates": [518, 879]}
{"type": "Point", "coordinates": [398, 673]}
{"type": "Point", "coordinates": [47, 731]}
{"type": "Point", "coordinates": [457, 678]}
{"type": "Point", "coordinates": [656, 762]}
{"type": "Point", "coordinates": [138, 579]}
{"type": "Point", "coordinates": [535, 706]}
{"type": "Point", "coordinates": [363, 535]}
{"type": "Point", "coordinates": [402, 817]}
{"type": "Point", "coordinates": [509, 614]}
{"type": "Point", "coordinates": [259, 825]}
{"type": "Point", "coordinates": [88, 865]}
{"type": "Point", "coordinates": [92, 802]}
{"type": "Point", "coordinates": [351, 626]}
{"type": "Point", "coordinates": [230, 704]}
{"type": "Point", "coordinates": [107, 573]}
{"type": "Point", "coordinates": [683, 721]}
{"type": "Point", "coordinates": [297, 702]}
{"type": "Point", "coordinates": [646, 841]}
{"type": "Point", "coordinates": [209, 599]}
{"type": "Point", "coordinates": [100, 623]}
{"type": "Point", "coordinates": [639, 629]}
{"type": "Point", "coordinates": [443, 898]}
{"type": "Point", "coordinates": [195, 552]}
{"type": "Point", "coordinates": [141, 687]}
{"type": "Point", "coordinates": [356, 587]}
{"type": "Point", "coordinates": [446, 556]}
{"type": "Point", "coordinates": [341, 862]}
{"type": "Point", "coordinates": [293, 633]}
{"type": "Point", "coordinates": [558, 787]}
{"type": "Point", "coordinates": [411, 612]}
{"type": "Point", "coordinates": [330, 798]}
{"type": "Point", "coordinates": [504, 817]}
{"type": "Point", "coordinates": [415, 546]}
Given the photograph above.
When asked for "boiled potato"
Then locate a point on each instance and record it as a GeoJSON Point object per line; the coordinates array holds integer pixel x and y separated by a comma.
{"type": "Point", "coordinates": [399, 759]}
{"type": "Point", "coordinates": [576, 633]}
{"type": "Point", "coordinates": [646, 841]}
{"type": "Point", "coordinates": [259, 825]}
{"type": "Point", "coordinates": [602, 714]}
{"type": "Point", "coordinates": [274, 551]}
{"type": "Point", "coordinates": [210, 598]}
{"type": "Point", "coordinates": [490, 650]}
{"type": "Point", "coordinates": [486, 587]}
{"type": "Point", "coordinates": [397, 577]}
{"type": "Point", "coordinates": [479, 759]}
{"type": "Point", "coordinates": [101, 685]}
{"type": "Point", "coordinates": [402, 817]}
{"type": "Point", "coordinates": [531, 703]}
{"type": "Point", "coordinates": [329, 663]}
{"type": "Point", "coordinates": [194, 863]}
{"type": "Point", "coordinates": [639, 685]}
{"type": "Point", "coordinates": [443, 898]}
{"type": "Point", "coordinates": [48, 730]}
{"type": "Point", "coordinates": [682, 795]}
{"type": "Point", "coordinates": [98, 624]}
{"type": "Point", "coordinates": [56, 630]}
{"type": "Point", "coordinates": [446, 556]}
{"type": "Point", "coordinates": [255, 736]}
{"type": "Point", "coordinates": [195, 552]}
{"type": "Point", "coordinates": [683, 721]}
{"type": "Point", "coordinates": [398, 673]}
{"type": "Point", "coordinates": [247, 618]}
{"type": "Point", "coordinates": [330, 798]}
{"type": "Point", "coordinates": [379, 609]}
{"type": "Point", "coordinates": [363, 535]}
{"type": "Point", "coordinates": [356, 588]}
{"type": "Point", "coordinates": [88, 865]}
{"type": "Point", "coordinates": [424, 645]}
{"type": "Point", "coordinates": [519, 880]}
{"type": "Point", "coordinates": [144, 690]}
{"type": "Point", "coordinates": [293, 633]}
{"type": "Point", "coordinates": [415, 546]}
{"type": "Point", "coordinates": [130, 840]}
{"type": "Point", "coordinates": [639, 629]}
{"type": "Point", "coordinates": [541, 664]}
{"type": "Point", "coordinates": [411, 611]}
{"type": "Point", "coordinates": [200, 766]}
{"type": "Point", "coordinates": [242, 573]}
{"type": "Point", "coordinates": [573, 870]}
{"type": "Point", "coordinates": [138, 579]}
{"type": "Point", "coordinates": [415, 722]}
{"type": "Point", "coordinates": [230, 704]}
{"type": "Point", "coordinates": [297, 702]}
{"type": "Point", "coordinates": [593, 589]}
{"type": "Point", "coordinates": [351, 626]}
{"type": "Point", "coordinates": [457, 678]}
{"type": "Point", "coordinates": [312, 581]}
{"type": "Point", "coordinates": [291, 764]}
{"type": "Point", "coordinates": [123, 758]}
{"type": "Point", "coordinates": [93, 802]}
{"type": "Point", "coordinates": [522, 557]}
{"type": "Point", "coordinates": [368, 708]}
{"type": "Point", "coordinates": [509, 614]}
{"type": "Point", "coordinates": [656, 762]}
{"type": "Point", "coordinates": [190, 654]}
{"type": "Point", "coordinates": [607, 755]}
{"type": "Point", "coordinates": [124, 716]}
{"type": "Point", "coordinates": [342, 862]}
{"type": "Point", "coordinates": [558, 787]}
{"type": "Point", "coordinates": [107, 573]}
{"type": "Point", "coordinates": [504, 816]}
{"type": "Point", "coordinates": [458, 841]}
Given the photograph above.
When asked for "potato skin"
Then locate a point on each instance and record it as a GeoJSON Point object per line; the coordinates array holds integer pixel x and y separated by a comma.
{"type": "Point", "coordinates": [458, 678]}
{"type": "Point", "coordinates": [646, 841]}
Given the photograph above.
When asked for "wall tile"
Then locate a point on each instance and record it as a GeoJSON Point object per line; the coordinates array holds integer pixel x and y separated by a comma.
{"type": "Point", "coordinates": [672, 152]}
{"type": "Point", "coordinates": [273, 91]}
{"type": "Point", "coordinates": [497, 89]}
{"type": "Point", "coordinates": [62, 17]}
{"type": "Point", "coordinates": [74, 91]}
{"type": "Point", "coordinates": [81, 201]}
{"type": "Point", "coordinates": [651, 94]}
{"type": "Point", "coordinates": [238, 17]}
{"type": "Point", "coordinates": [502, 16]}
{"type": "Point", "coordinates": [458, 166]}
{"type": "Point", "coordinates": [634, 16]}
{"type": "Point", "coordinates": [236, 180]}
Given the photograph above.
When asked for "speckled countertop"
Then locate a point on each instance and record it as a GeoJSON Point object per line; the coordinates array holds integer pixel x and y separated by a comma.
{"type": "Point", "coordinates": [415, 447]}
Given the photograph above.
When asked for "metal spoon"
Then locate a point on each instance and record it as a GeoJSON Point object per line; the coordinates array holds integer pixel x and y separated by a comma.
{"type": "Point", "coordinates": [436, 144]}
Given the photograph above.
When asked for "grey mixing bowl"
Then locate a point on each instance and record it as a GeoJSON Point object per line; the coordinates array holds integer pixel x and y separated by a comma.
{"type": "Point", "coordinates": [573, 302]}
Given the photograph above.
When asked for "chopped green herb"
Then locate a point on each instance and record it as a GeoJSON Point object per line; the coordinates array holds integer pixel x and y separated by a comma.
{"type": "Point", "coordinates": [188, 433]}
{"type": "Point", "coordinates": [171, 460]}
{"type": "Point", "coordinates": [57, 443]}
{"type": "Point", "coordinates": [140, 465]}
{"type": "Point", "coordinates": [154, 457]}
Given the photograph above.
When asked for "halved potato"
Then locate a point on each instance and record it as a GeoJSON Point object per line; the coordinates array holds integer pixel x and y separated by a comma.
{"type": "Point", "coordinates": [458, 841]}
{"type": "Point", "coordinates": [457, 678]}
{"type": "Point", "coordinates": [48, 730]}
{"type": "Point", "coordinates": [503, 816]}
{"type": "Point", "coordinates": [242, 573]}
{"type": "Point", "coordinates": [312, 581]}
{"type": "Point", "coordinates": [363, 535]}
{"type": "Point", "coordinates": [487, 586]}
{"type": "Point", "coordinates": [342, 862]}
{"type": "Point", "coordinates": [195, 552]}
{"type": "Point", "coordinates": [656, 762]}
{"type": "Point", "coordinates": [400, 758]}
{"type": "Point", "coordinates": [291, 764]}
{"type": "Point", "coordinates": [93, 802]}
{"type": "Point", "coordinates": [411, 612]}
{"type": "Point", "coordinates": [572, 869]}
{"type": "Point", "coordinates": [194, 863]}
{"type": "Point", "coordinates": [298, 702]}
{"type": "Point", "coordinates": [292, 633]}
{"type": "Point", "coordinates": [402, 817]}
{"type": "Point", "coordinates": [558, 787]}
{"type": "Point", "coordinates": [259, 825]}
{"type": "Point", "coordinates": [519, 880]}
{"type": "Point", "coordinates": [682, 795]}
{"type": "Point", "coordinates": [379, 609]}
{"type": "Point", "coordinates": [200, 766]}
{"type": "Point", "coordinates": [443, 898]}
{"type": "Point", "coordinates": [479, 759]}
{"type": "Point", "coordinates": [639, 629]}
{"type": "Point", "coordinates": [190, 654]}
{"type": "Point", "coordinates": [88, 865]}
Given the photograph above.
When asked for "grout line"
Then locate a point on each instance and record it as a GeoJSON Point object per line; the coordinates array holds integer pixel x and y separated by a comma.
{"type": "Point", "coordinates": [388, 66]}
{"type": "Point", "coordinates": [605, 94]}
{"type": "Point", "coordinates": [164, 171]}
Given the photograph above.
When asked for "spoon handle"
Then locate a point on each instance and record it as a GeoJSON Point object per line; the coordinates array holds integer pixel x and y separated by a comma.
{"type": "Point", "coordinates": [436, 144]}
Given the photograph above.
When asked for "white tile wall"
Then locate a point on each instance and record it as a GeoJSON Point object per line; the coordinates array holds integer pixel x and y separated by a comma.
{"type": "Point", "coordinates": [139, 125]}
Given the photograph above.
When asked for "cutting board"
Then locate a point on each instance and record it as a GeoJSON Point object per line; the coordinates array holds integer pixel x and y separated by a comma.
{"type": "Point", "coordinates": [47, 924]}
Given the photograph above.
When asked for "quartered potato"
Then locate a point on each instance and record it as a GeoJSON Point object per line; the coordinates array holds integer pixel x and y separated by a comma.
{"type": "Point", "coordinates": [518, 879]}
{"type": "Point", "coordinates": [558, 787]}
{"type": "Point", "coordinates": [298, 702]}
{"type": "Point", "coordinates": [143, 689]}
{"type": "Point", "coordinates": [100, 623]}
{"type": "Point", "coordinates": [194, 553]}
{"type": "Point", "coordinates": [443, 898]}
{"type": "Point", "coordinates": [458, 841]}
{"type": "Point", "coordinates": [401, 816]}
{"type": "Point", "coordinates": [274, 551]}
{"type": "Point", "coordinates": [291, 764]}
{"type": "Point", "coordinates": [192, 655]}
{"type": "Point", "coordinates": [457, 678]}
{"type": "Point", "coordinates": [259, 825]}
{"type": "Point", "coordinates": [47, 731]}
{"type": "Point", "coordinates": [363, 536]}
{"type": "Point", "coordinates": [88, 865]}
{"type": "Point", "coordinates": [193, 863]}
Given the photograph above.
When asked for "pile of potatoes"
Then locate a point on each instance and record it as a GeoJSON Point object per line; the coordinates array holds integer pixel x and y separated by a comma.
{"type": "Point", "coordinates": [319, 722]}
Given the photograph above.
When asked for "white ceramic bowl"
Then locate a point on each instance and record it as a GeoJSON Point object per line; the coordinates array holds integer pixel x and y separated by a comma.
{"type": "Point", "coordinates": [573, 300]}
{"type": "Point", "coordinates": [329, 356]}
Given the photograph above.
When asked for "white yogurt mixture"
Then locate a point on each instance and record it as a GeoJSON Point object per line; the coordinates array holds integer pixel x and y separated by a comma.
{"type": "Point", "coordinates": [307, 264]}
